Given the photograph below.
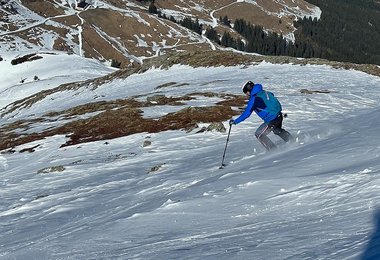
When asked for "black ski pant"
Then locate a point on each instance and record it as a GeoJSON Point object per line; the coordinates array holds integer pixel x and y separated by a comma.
{"type": "Point", "coordinates": [276, 126]}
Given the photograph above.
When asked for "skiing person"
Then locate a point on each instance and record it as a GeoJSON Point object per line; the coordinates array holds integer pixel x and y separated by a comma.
{"type": "Point", "coordinates": [268, 108]}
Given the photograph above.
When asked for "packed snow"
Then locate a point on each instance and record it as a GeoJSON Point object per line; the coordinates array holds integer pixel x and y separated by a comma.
{"type": "Point", "coordinates": [317, 198]}
{"type": "Point", "coordinates": [50, 71]}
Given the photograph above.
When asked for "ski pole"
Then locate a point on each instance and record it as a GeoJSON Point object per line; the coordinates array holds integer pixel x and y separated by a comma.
{"type": "Point", "coordinates": [225, 148]}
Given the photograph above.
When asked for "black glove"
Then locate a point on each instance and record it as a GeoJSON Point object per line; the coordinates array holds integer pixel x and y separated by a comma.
{"type": "Point", "coordinates": [231, 122]}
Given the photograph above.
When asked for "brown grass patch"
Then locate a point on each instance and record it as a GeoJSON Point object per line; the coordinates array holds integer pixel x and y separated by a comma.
{"type": "Point", "coordinates": [121, 118]}
{"type": "Point", "coordinates": [25, 58]}
{"type": "Point", "coordinates": [44, 8]}
{"type": "Point", "coordinates": [126, 121]}
{"type": "Point", "coordinates": [118, 26]}
{"type": "Point", "coordinates": [206, 58]}
{"type": "Point", "coordinates": [71, 20]}
{"type": "Point", "coordinates": [257, 16]}
{"type": "Point", "coordinates": [94, 44]}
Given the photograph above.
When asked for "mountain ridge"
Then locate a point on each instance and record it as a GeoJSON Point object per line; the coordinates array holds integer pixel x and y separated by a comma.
{"type": "Point", "coordinates": [126, 31]}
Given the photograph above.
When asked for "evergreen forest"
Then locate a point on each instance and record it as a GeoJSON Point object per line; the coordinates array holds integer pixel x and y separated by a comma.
{"type": "Point", "coordinates": [348, 30]}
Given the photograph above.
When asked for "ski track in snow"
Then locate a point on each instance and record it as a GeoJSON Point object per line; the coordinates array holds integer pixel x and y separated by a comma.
{"type": "Point", "coordinates": [310, 200]}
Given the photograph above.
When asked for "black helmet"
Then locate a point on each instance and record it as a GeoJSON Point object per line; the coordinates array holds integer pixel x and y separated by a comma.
{"type": "Point", "coordinates": [248, 87]}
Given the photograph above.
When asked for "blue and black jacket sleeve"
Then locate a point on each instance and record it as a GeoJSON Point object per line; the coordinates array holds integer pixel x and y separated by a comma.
{"type": "Point", "coordinates": [247, 112]}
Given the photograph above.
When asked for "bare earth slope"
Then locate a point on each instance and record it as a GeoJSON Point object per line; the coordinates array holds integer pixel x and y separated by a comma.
{"type": "Point", "coordinates": [125, 31]}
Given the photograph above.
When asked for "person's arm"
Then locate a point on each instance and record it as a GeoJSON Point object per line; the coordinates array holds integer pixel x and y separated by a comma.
{"type": "Point", "coordinates": [247, 112]}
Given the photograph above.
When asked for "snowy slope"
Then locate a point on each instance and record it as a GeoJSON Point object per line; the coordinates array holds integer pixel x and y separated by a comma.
{"type": "Point", "coordinates": [119, 200]}
{"type": "Point", "coordinates": [53, 69]}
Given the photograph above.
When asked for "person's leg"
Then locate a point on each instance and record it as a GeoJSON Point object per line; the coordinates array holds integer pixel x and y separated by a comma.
{"type": "Point", "coordinates": [285, 135]}
{"type": "Point", "coordinates": [276, 125]}
{"type": "Point", "coordinates": [261, 134]}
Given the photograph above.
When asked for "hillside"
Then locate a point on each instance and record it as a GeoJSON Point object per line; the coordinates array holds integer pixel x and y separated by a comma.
{"type": "Point", "coordinates": [126, 32]}
{"type": "Point", "coordinates": [98, 162]}
{"type": "Point", "coordinates": [96, 116]}
{"type": "Point", "coordinates": [160, 194]}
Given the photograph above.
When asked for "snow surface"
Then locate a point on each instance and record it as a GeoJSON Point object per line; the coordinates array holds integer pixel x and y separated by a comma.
{"type": "Point", "coordinates": [54, 69]}
{"type": "Point", "coordinates": [115, 199]}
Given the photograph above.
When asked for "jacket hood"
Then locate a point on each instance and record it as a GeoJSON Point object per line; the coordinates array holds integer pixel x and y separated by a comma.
{"type": "Point", "coordinates": [256, 89]}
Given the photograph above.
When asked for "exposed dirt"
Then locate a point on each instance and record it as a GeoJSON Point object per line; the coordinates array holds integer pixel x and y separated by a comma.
{"type": "Point", "coordinates": [224, 58]}
{"type": "Point", "coordinates": [45, 8]}
{"type": "Point", "coordinates": [120, 118]}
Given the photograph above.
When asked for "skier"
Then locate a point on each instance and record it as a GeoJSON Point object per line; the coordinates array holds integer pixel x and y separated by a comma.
{"type": "Point", "coordinates": [268, 108]}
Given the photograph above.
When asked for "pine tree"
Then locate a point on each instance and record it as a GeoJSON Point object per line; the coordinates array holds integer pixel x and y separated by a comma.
{"type": "Point", "coordinates": [212, 35]}
{"type": "Point", "coordinates": [152, 8]}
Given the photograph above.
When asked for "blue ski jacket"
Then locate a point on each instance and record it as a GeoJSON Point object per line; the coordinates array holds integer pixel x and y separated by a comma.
{"type": "Point", "coordinates": [264, 103]}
